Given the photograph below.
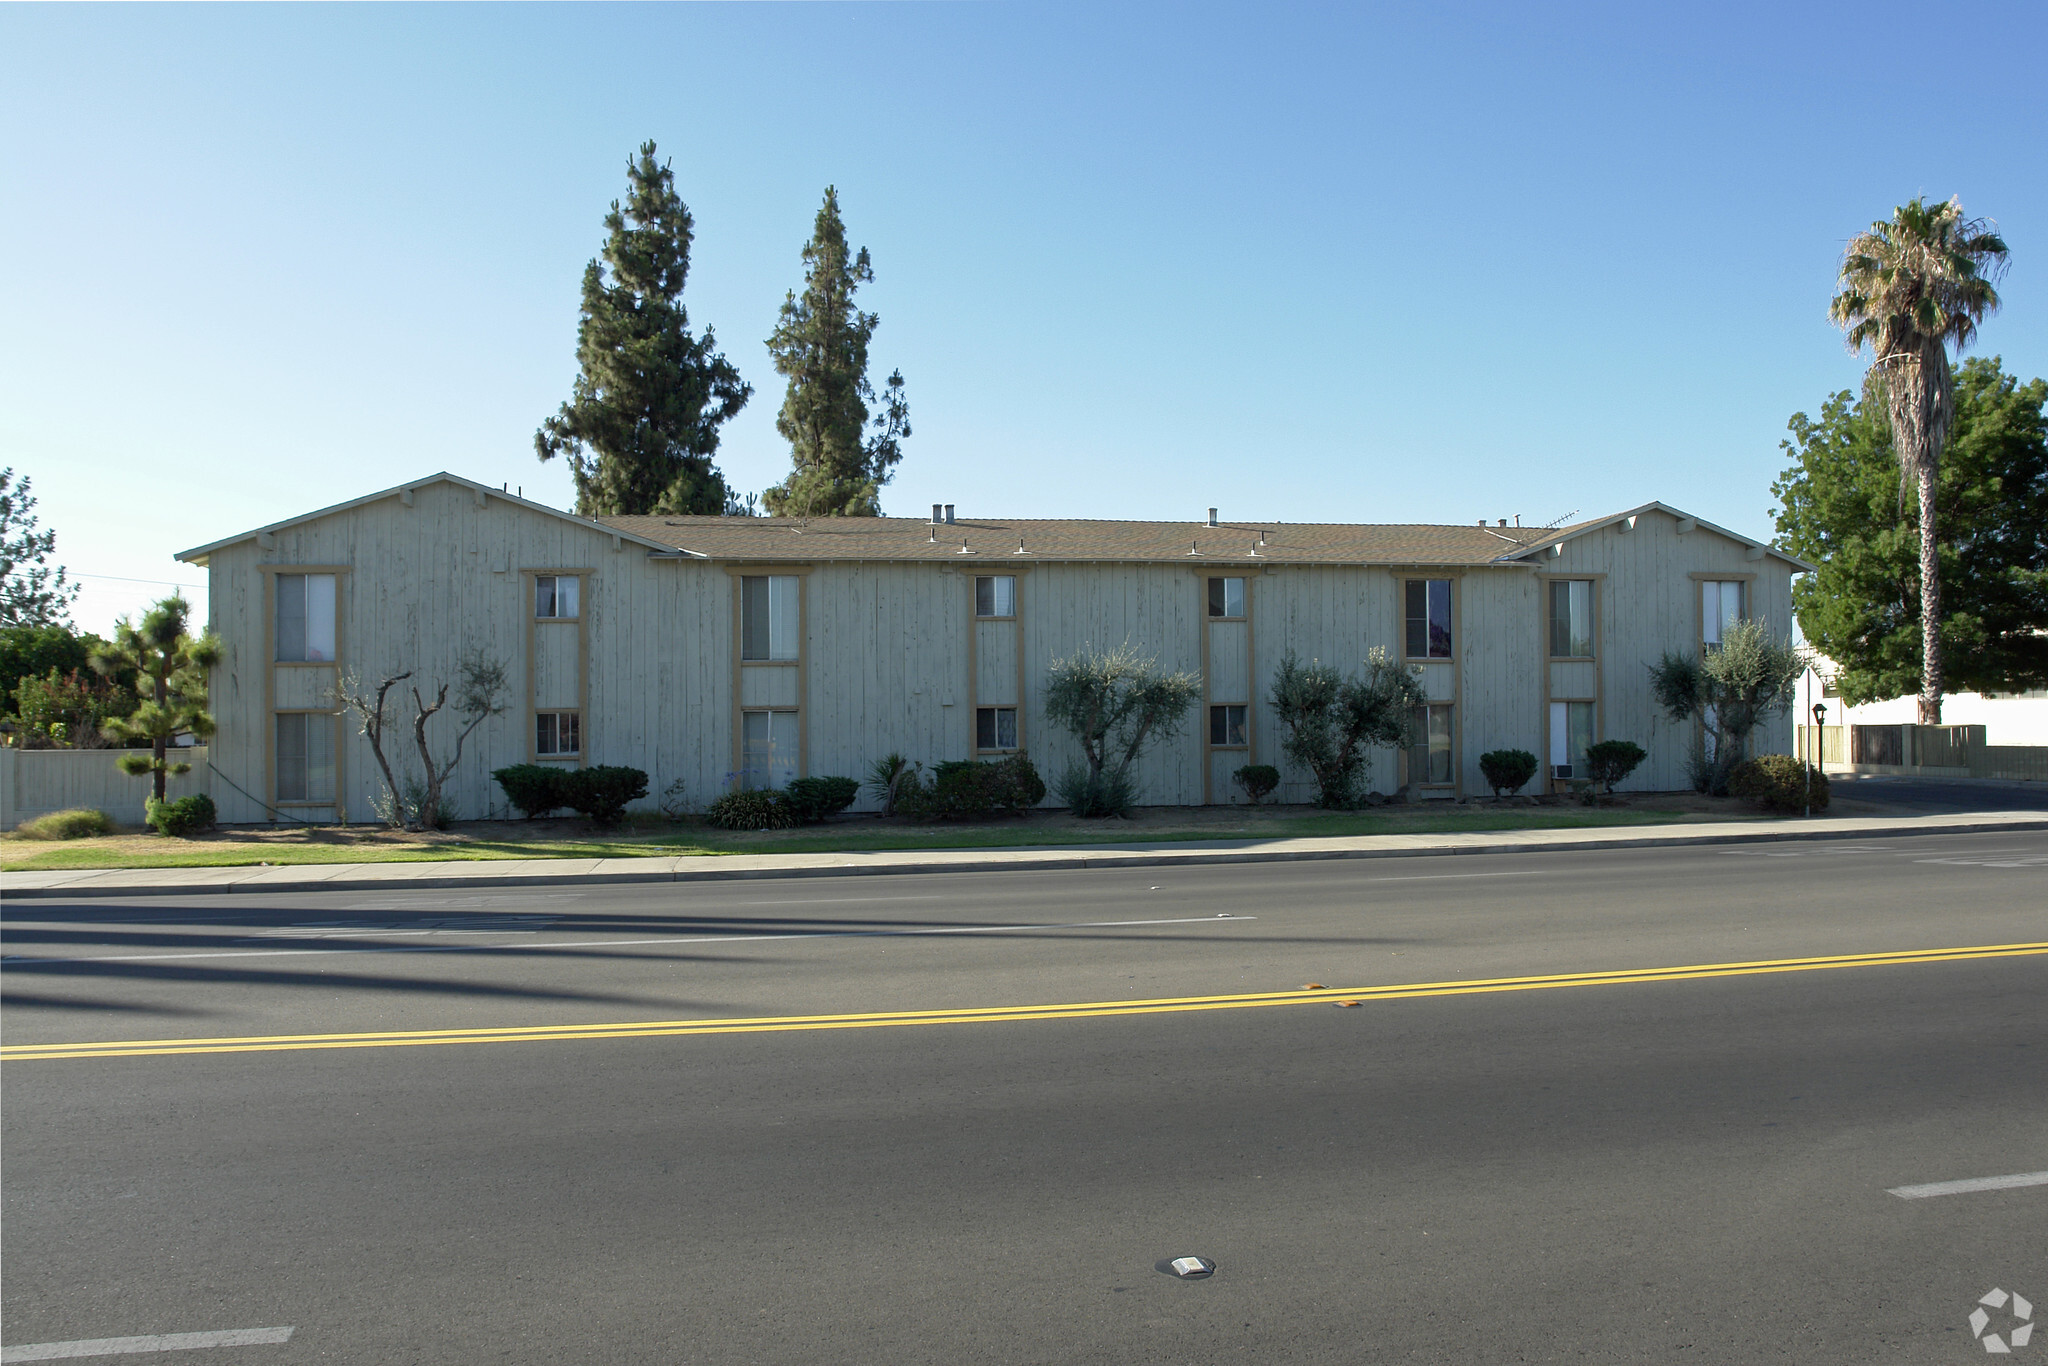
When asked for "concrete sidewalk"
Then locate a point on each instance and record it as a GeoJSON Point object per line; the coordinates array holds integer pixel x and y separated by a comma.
{"type": "Point", "coordinates": [427, 876]}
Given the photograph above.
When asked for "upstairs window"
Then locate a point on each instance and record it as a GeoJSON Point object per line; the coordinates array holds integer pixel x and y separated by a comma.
{"type": "Point", "coordinates": [1226, 598]}
{"type": "Point", "coordinates": [768, 609]}
{"type": "Point", "coordinates": [1571, 618]}
{"type": "Point", "coordinates": [555, 596]}
{"type": "Point", "coordinates": [1429, 618]}
{"type": "Point", "coordinates": [305, 618]}
{"type": "Point", "coordinates": [1720, 608]}
{"type": "Point", "coordinates": [995, 595]}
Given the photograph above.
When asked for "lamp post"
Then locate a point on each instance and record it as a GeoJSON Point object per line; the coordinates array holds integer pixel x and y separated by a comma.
{"type": "Point", "coordinates": [1820, 719]}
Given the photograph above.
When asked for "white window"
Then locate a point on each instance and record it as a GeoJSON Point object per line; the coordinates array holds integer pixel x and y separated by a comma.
{"type": "Point", "coordinates": [305, 756]}
{"type": "Point", "coordinates": [1226, 597]}
{"type": "Point", "coordinates": [995, 595]}
{"type": "Point", "coordinates": [305, 618]}
{"type": "Point", "coordinates": [1227, 725]}
{"type": "Point", "coordinates": [555, 596]}
{"type": "Point", "coordinates": [1720, 608]}
{"type": "Point", "coordinates": [1571, 618]}
{"type": "Point", "coordinates": [768, 748]}
{"type": "Point", "coordinates": [1571, 732]}
{"type": "Point", "coordinates": [1429, 762]}
{"type": "Point", "coordinates": [768, 610]}
{"type": "Point", "coordinates": [995, 728]}
{"type": "Point", "coordinates": [558, 732]}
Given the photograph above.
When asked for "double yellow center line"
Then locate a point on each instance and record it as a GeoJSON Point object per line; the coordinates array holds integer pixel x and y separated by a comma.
{"type": "Point", "coordinates": [774, 1024]}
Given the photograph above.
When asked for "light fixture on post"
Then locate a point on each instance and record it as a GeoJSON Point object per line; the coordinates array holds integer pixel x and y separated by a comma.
{"type": "Point", "coordinates": [1820, 720]}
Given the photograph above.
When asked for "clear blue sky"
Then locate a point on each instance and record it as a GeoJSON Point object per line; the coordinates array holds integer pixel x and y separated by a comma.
{"type": "Point", "coordinates": [1416, 263]}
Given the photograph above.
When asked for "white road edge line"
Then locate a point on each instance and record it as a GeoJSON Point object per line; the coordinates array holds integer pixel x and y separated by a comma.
{"type": "Point", "coordinates": [1980, 1183]}
{"type": "Point", "coordinates": [28, 961]}
{"type": "Point", "coordinates": [155, 1342]}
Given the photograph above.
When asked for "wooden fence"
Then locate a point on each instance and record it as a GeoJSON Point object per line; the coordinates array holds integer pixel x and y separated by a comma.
{"type": "Point", "coordinates": [34, 782]}
{"type": "Point", "coordinates": [1923, 751]}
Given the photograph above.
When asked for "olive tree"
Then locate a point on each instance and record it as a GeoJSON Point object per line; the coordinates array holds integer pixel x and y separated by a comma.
{"type": "Point", "coordinates": [1733, 688]}
{"type": "Point", "coordinates": [1116, 704]}
{"type": "Point", "coordinates": [1333, 720]}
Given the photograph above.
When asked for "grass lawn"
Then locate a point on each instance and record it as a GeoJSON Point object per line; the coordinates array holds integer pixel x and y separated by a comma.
{"type": "Point", "coordinates": [243, 846]}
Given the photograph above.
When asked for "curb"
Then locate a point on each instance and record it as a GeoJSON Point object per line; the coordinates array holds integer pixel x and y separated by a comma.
{"type": "Point", "coordinates": [1070, 862]}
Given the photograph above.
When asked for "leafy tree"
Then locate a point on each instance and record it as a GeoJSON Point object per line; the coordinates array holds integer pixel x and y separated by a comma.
{"type": "Point", "coordinates": [31, 593]}
{"type": "Point", "coordinates": [171, 666]}
{"type": "Point", "coordinates": [37, 651]}
{"type": "Point", "coordinates": [70, 709]}
{"type": "Point", "coordinates": [821, 344]}
{"type": "Point", "coordinates": [1838, 509]}
{"type": "Point", "coordinates": [642, 423]}
{"type": "Point", "coordinates": [1116, 704]}
{"type": "Point", "coordinates": [1751, 676]}
{"type": "Point", "coordinates": [1911, 288]}
{"type": "Point", "coordinates": [1332, 720]}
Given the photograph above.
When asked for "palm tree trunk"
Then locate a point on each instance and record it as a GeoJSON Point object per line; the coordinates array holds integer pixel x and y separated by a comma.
{"type": "Point", "coordinates": [1930, 602]}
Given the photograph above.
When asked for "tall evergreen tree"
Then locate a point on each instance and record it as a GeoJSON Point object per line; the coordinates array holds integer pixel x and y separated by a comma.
{"type": "Point", "coordinates": [31, 592]}
{"type": "Point", "coordinates": [642, 424]}
{"type": "Point", "coordinates": [821, 343]}
{"type": "Point", "coordinates": [171, 666]}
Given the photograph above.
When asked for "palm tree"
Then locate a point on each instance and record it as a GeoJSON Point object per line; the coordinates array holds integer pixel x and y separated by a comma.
{"type": "Point", "coordinates": [1910, 288]}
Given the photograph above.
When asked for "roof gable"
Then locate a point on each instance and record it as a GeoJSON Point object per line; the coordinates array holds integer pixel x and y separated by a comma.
{"type": "Point", "coordinates": [483, 493]}
{"type": "Point", "coordinates": [1563, 534]}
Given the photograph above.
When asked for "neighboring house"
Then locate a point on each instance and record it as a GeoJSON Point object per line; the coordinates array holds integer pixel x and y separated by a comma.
{"type": "Point", "coordinates": [710, 650]}
{"type": "Point", "coordinates": [2012, 718]}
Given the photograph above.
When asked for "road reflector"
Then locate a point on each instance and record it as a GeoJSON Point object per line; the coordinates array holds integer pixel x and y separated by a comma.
{"type": "Point", "coordinates": [1187, 1268]}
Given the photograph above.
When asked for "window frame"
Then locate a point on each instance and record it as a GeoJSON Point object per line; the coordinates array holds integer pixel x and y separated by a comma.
{"type": "Point", "coordinates": [1592, 632]}
{"type": "Point", "coordinates": [995, 711]}
{"type": "Point", "coordinates": [574, 716]}
{"type": "Point", "coordinates": [995, 597]}
{"type": "Point", "coordinates": [771, 619]}
{"type": "Point", "coordinates": [1428, 618]}
{"type": "Point", "coordinates": [1419, 747]}
{"type": "Point", "coordinates": [1218, 590]}
{"type": "Point", "coordinates": [554, 582]}
{"type": "Point", "coordinates": [277, 751]}
{"type": "Point", "coordinates": [794, 766]}
{"type": "Point", "coordinates": [1220, 712]}
{"type": "Point", "coordinates": [305, 575]}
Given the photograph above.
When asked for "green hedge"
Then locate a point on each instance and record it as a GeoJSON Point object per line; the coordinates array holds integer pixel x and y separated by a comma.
{"type": "Point", "coordinates": [535, 789]}
{"type": "Point", "coordinates": [1507, 771]}
{"type": "Point", "coordinates": [1779, 782]}
{"type": "Point", "coordinates": [185, 816]}
{"type": "Point", "coordinates": [967, 788]}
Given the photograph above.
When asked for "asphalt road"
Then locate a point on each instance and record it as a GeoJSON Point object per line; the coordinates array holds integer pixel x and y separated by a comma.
{"type": "Point", "coordinates": [1929, 796]}
{"type": "Point", "coordinates": [1687, 1167]}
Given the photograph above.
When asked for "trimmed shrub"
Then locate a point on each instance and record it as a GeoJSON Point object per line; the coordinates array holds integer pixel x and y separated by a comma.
{"type": "Point", "coordinates": [1108, 793]}
{"type": "Point", "coordinates": [79, 823]}
{"type": "Point", "coordinates": [602, 790]}
{"type": "Point", "coordinates": [1778, 782]}
{"type": "Point", "coordinates": [1507, 771]}
{"type": "Point", "coordinates": [966, 788]}
{"type": "Point", "coordinates": [747, 808]}
{"type": "Point", "coordinates": [1257, 780]}
{"type": "Point", "coordinates": [1610, 761]}
{"type": "Point", "coordinates": [185, 816]}
{"type": "Point", "coordinates": [535, 789]}
{"type": "Point", "coordinates": [811, 800]}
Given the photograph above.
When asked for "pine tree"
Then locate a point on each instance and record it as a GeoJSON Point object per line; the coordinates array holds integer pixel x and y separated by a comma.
{"type": "Point", "coordinates": [642, 424]}
{"type": "Point", "coordinates": [821, 343]}
{"type": "Point", "coordinates": [170, 667]}
{"type": "Point", "coordinates": [31, 593]}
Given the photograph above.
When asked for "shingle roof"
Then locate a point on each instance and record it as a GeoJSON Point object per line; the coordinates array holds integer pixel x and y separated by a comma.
{"type": "Point", "coordinates": [914, 538]}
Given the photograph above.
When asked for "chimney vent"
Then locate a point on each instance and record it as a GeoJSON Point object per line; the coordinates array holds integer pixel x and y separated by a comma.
{"type": "Point", "coordinates": [938, 513]}
{"type": "Point", "coordinates": [1212, 516]}
{"type": "Point", "coordinates": [949, 514]}
{"type": "Point", "coordinates": [1503, 521]}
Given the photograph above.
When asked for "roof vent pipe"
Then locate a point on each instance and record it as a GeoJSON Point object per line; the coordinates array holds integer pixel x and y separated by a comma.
{"type": "Point", "coordinates": [949, 514]}
{"type": "Point", "coordinates": [938, 513]}
{"type": "Point", "coordinates": [1212, 516]}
